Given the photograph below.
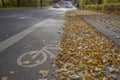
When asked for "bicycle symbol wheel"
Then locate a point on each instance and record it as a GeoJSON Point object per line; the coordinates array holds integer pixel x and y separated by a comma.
{"type": "Point", "coordinates": [42, 54]}
{"type": "Point", "coordinates": [20, 59]}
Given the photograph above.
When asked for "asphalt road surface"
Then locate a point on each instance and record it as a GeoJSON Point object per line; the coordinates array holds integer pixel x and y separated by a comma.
{"type": "Point", "coordinates": [28, 43]}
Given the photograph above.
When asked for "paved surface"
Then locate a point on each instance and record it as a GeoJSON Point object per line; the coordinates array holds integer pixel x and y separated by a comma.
{"type": "Point", "coordinates": [29, 37]}
{"type": "Point", "coordinates": [106, 24]}
{"type": "Point", "coordinates": [11, 21]}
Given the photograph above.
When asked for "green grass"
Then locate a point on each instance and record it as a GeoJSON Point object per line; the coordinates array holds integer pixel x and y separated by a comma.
{"type": "Point", "coordinates": [106, 7]}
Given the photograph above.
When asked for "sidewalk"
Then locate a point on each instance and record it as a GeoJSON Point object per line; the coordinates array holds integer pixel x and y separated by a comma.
{"type": "Point", "coordinates": [107, 24]}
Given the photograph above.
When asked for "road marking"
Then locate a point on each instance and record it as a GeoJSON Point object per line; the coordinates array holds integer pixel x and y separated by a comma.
{"type": "Point", "coordinates": [10, 41]}
{"type": "Point", "coordinates": [19, 61]}
{"type": "Point", "coordinates": [44, 52]}
{"type": "Point", "coordinates": [23, 17]}
{"type": "Point", "coordinates": [51, 54]}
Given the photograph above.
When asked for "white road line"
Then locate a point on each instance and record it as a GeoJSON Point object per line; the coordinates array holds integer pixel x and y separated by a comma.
{"type": "Point", "coordinates": [10, 41]}
{"type": "Point", "coordinates": [51, 54]}
{"type": "Point", "coordinates": [39, 52]}
{"type": "Point", "coordinates": [25, 17]}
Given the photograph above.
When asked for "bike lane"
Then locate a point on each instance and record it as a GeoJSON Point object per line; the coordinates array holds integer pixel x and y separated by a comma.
{"type": "Point", "coordinates": [30, 57]}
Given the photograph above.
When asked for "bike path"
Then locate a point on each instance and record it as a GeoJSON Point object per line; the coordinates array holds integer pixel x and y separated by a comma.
{"type": "Point", "coordinates": [46, 34]}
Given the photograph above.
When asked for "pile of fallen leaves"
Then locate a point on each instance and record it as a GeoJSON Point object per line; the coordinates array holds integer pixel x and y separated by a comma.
{"type": "Point", "coordinates": [109, 21]}
{"type": "Point", "coordinates": [85, 54]}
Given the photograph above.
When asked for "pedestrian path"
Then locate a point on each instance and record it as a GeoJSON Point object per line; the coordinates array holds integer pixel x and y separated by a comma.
{"type": "Point", "coordinates": [106, 24]}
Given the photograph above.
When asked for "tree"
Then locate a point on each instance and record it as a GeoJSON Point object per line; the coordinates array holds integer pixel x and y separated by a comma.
{"type": "Point", "coordinates": [3, 3]}
{"type": "Point", "coordinates": [41, 3]}
{"type": "Point", "coordinates": [12, 3]}
{"type": "Point", "coordinates": [18, 3]}
{"type": "Point", "coordinates": [29, 2]}
{"type": "Point", "coordinates": [99, 1]}
{"type": "Point", "coordinates": [111, 1]}
{"type": "Point", "coordinates": [89, 2]}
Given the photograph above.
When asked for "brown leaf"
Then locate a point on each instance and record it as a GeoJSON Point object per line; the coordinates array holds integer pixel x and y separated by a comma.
{"type": "Point", "coordinates": [44, 72]}
{"type": "Point", "coordinates": [4, 78]}
{"type": "Point", "coordinates": [26, 62]}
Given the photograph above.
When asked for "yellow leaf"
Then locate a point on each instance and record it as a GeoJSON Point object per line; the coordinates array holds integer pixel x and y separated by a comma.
{"type": "Point", "coordinates": [26, 62]}
{"type": "Point", "coordinates": [4, 78]}
{"type": "Point", "coordinates": [44, 72]}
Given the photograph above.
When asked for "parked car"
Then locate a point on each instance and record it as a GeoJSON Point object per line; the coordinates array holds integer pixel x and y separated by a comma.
{"type": "Point", "coordinates": [56, 5]}
{"type": "Point", "coordinates": [68, 5]}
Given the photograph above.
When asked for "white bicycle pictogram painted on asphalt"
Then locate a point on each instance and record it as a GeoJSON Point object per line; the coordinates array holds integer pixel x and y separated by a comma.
{"type": "Point", "coordinates": [44, 51]}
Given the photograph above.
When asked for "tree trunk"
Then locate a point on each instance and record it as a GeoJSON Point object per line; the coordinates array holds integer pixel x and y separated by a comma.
{"type": "Point", "coordinates": [36, 3]}
{"type": "Point", "coordinates": [18, 3]}
{"type": "Point", "coordinates": [29, 3]}
{"type": "Point", "coordinates": [99, 1]}
{"type": "Point", "coordinates": [41, 3]}
{"type": "Point", "coordinates": [3, 4]}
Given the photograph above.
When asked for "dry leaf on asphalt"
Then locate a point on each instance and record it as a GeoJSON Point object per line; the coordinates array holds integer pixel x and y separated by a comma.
{"type": "Point", "coordinates": [12, 72]}
{"type": "Point", "coordinates": [4, 78]}
{"type": "Point", "coordinates": [26, 62]}
{"type": "Point", "coordinates": [44, 72]}
{"type": "Point", "coordinates": [53, 64]}
{"type": "Point", "coordinates": [32, 53]}
{"type": "Point", "coordinates": [118, 37]}
{"type": "Point", "coordinates": [37, 61]}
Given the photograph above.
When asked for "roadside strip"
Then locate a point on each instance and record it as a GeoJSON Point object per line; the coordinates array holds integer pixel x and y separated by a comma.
{"type": "Point", "coordinates": [107, 33]}
{"type": "Point", "coordinates": [86, 54]}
